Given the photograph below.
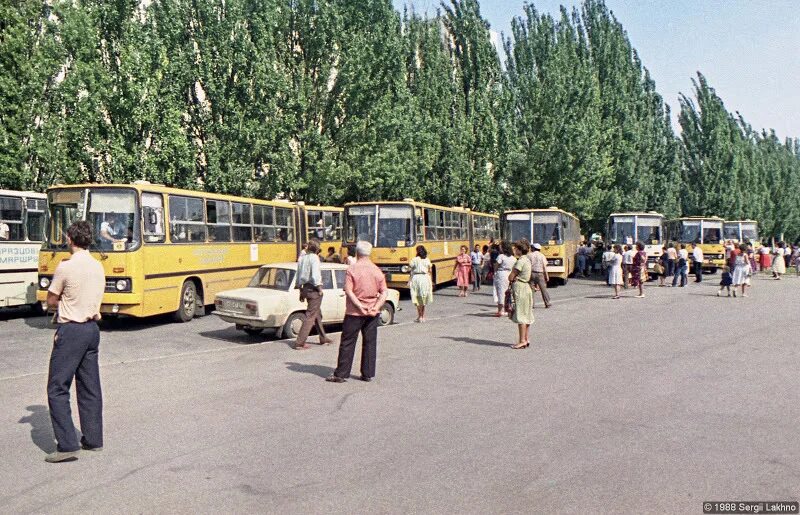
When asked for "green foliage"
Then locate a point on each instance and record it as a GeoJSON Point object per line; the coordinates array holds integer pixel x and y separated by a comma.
{"type": "Point", "coordinates": [330, 101]}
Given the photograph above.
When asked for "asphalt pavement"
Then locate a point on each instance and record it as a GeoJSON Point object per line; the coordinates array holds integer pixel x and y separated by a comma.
{"type": "Point", "coordinates": [647, 405]}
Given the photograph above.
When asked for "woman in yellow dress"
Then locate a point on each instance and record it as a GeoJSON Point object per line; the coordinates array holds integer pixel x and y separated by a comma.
{"type": "Point", "coordinates": [420, 283]}
{"type": "Point", "coordinates": [522, 293]}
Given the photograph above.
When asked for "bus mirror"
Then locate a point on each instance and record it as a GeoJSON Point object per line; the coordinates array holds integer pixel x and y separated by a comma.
{"type": "Point", "coordinates": [152, 219]}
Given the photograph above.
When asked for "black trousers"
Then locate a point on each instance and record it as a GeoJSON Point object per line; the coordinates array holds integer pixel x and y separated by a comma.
{"type": "Point", "coordinates": [75, 356]}
{"type": "Point", "coordinates": [368, 327]}
{"type": "Point", "coordinates": [698, 272]}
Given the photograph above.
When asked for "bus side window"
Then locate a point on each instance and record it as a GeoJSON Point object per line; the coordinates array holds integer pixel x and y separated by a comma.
{"type": "Point", "coordinates": [11, 228]}
{"type": "Point", "coordinates": [153, 217]}
{"type": "Point", "coordinates": [284, 224]}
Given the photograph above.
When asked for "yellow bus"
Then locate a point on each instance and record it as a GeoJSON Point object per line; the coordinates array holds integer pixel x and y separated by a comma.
{"type": "Point", "coordinates": [167, 250]}
{"type": "Point", "coordinates": [741, 231]}
{"type": "Point", "coordinates": [629, 228]}
{"type": "Point", "coordinates": [556, 230]}
{"type": "Point", "coordinates": [395, 228]}
{"type": "Point", "coordinates": [323, 223]}
{"type": "Point", "coordinates": [21, 229]}
{"type": "Point", "coordinates": [705, 231]}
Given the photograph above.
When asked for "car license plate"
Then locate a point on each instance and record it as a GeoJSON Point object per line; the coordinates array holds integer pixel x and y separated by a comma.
{"type": "Point", "coordinates": [234, 305]}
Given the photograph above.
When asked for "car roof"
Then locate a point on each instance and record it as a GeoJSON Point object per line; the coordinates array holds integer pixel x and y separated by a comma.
{"type": "Point", "coordinates": [293, 266]}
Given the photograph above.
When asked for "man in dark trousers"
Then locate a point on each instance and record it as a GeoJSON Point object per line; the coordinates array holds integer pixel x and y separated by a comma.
{"type": "Point", "coordinates": [539, 276]}
{"type": "Point", "coordinates": [365, 288]}
{"type": "Point", "coordinates": [309, 282]}
{"type": "Point", "coordinates": [77, 292]}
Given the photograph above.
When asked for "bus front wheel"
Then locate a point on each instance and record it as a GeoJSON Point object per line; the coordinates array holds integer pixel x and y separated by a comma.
{"type": "Point", "coordinates": [188, 302]}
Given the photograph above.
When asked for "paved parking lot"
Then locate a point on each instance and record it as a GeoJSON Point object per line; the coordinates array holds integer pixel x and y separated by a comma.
{"type": "Point", "coordinates": [635, 405]}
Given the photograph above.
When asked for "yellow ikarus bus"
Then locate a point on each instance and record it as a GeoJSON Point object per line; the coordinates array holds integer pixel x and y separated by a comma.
{"type": "Point", "coordinates": [167, 250]}
{"type": "Point", "coordinates": [705, 231]}
{"type": "Point", "coordinates": [629, 228]}
{"type": "Point", "coordinates": [396, 228]}
{"type": "Point", "coordinates": [21, 229]}
{"type": "Point", "coordinates": [556, 230]}
{"type": "Point", "coordinates": [739, 231]}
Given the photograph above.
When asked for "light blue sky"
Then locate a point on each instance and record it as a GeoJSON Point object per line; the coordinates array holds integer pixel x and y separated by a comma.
{"type": "Point", "coordinates": [748, 49]}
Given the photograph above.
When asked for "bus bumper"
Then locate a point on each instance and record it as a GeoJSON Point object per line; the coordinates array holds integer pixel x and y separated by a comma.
{"type": "Point", "coordinates": [397, 281]}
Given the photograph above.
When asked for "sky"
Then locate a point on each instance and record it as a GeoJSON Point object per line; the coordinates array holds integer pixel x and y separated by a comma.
{"type": "Point", "coordinates": [749, 50]}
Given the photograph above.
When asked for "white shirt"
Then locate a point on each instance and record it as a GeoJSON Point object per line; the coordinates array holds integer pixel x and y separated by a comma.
{"type": "Point", "coordinates": [5, 231]}
{"type": "Point", "coordinates": [765, 250]}
{"type": "Point", "coordinates": [608, 256]}
{"type": "Point", "coordinates": [115, 231]}
{"type": "Point", "coordinates": [627, 257]}
{"type": "Point", "coordinates": [683, 253]}
{"type": "Point", "coordinates": [308, 271]}
{"type": "Point", "coordinates": [697, 255]}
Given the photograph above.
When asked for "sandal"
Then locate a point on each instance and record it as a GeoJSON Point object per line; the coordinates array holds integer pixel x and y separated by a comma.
{"type": "Point", "coordinates": [523, 345]}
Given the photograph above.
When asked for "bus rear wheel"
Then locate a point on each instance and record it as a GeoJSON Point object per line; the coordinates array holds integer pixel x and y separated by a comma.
{"type": "Point", "coordinates": [188, 302]}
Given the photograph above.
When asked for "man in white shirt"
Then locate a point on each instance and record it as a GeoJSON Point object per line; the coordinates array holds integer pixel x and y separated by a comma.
{"type": "Point", "coordinates": [309, 282]}
{"type": "Point", "coordinates": [5, 231]}
{"type": "Point", "coordinates": [627, 263]}
{"type": "Point", "coordinates": [111, 231]}
{"type": "Point", "coordinates": [697, 263]}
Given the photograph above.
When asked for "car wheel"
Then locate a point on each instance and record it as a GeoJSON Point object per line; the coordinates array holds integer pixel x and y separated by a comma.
{"type": "Point", "coordinates": [253, 331]}
{"type": "Point", "coordinates": [188, 302]}
{"type": "Point", "coordinates": [386, 316]}
{"type": "Point", "coordinates": [293, 324]}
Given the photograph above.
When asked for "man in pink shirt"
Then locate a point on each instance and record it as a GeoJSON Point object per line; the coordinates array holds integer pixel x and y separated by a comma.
{"type": "Point", "coordinates": [365, 288]}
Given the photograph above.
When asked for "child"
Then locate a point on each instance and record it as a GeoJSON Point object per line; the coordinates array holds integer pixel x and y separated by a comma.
{"type": "Point", "coordinates": [726, 281]}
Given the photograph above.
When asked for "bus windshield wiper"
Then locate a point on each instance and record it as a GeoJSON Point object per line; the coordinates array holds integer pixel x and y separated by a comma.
{"type": "Point", "coordinates": [103, 255]}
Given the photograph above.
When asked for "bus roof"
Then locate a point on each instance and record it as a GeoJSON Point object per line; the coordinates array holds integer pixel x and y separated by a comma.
{"type": "Point", "coordinates": [415, 203]}
{"type": "Point", "coordinates": [699, 218]}
{"type": "Point", "coordinates": [322, 208]}
{"type": "Point", "coordinates": [637, 213]}
{"type": "Point", "coordinates": [26, 194]}
{"type": "Point", "coordinates": [741, 221]}
{"type": "Point", "coordinates": [544, 209]}
{"type": "Point", "coordinates": [160, 188]}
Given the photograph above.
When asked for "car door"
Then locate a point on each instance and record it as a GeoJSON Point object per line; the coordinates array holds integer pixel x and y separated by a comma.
{"type": "Point", "coordinates": [340, 276]}
{"type": "Point", "coordinates": [330, 301]}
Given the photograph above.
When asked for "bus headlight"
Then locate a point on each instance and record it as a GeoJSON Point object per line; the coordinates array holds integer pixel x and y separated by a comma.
{"type": "Point", "coordinates": [405, 269]}
{"type": "Point", "coordinates": [44, 282]}
{"type": "Point", "coordinates": [556, 262]}
{"type": "Point", "coordinates": [121, 285]}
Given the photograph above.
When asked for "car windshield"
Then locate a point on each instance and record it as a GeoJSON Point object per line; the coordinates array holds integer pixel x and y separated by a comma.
{"type": "Point", "coordinates": [712, 232]}
{"type": "Point", "coordinates": [273, 278]}
{"type": "Point", "coordinates": [546, 229]}
{"type": "Point", "coordinates": [111, 212]}
{"type": "Point", "coordinates": [621, 230]}
{"type": "Point", "coordinates": [392, 227]}
{"type": "Point", "coordinates": [518, 225]}
{"type": "Point", "coordinates": [648, 231]}
{"type": "Point", "coordinates": [730, 231]}
{"type": "Point", "coordinates": [690, 232]}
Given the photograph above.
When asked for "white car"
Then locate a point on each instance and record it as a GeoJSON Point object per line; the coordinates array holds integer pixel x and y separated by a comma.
{"type": "Point", "coordinates": [271, 301]}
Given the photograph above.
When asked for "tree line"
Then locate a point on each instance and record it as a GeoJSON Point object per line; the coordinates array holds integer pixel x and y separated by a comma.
{"type": "Point", "coordinates": [330, 101]}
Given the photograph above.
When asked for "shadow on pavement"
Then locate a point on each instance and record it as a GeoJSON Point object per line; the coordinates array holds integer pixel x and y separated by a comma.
{"type": "Point", "coordinates": [484, 315]}
{"type": "Point", "coordinates": [232, 335]}
{"type": "Point", "coordinates": [41, 427]}
{"type": "Point", "coordinates": [476, 341]}
{"type": "Point", "coordinates": [316, 370]}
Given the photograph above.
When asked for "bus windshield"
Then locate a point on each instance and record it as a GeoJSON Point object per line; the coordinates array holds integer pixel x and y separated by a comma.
{"type": "Point", "coordinates": [648, 231]}
{"type": "Point", "coordinates": [392, 227]}
{"type": "Point", "coordinates": [712, 232]}
{"type": "Point", "coordinates": [749, 232]}
{"type": "Point", "coordinates": [621, 230]}
{"type": "Point", "coordinates": [111, 212]}
{"type": "Point", "coordinates": [518, 225]}
{"type": "Point", "coordinates": [547, 229]}
{"type": "Point", "coordinates": [690, 232]}
{"type": "Point", "coordinates": [730, 231]}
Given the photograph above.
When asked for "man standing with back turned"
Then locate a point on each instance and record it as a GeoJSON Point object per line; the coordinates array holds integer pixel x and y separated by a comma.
{"type": "Point", "coordinates": [539, 276]}
{"type": "Point", "coordinates": [365, 288]}
{"type": "Point", "coordinates": [77, 291]}
{"type": "Point", "coordinates": [309, 282]}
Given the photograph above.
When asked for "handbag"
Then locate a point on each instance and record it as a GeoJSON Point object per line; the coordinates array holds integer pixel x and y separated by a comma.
{"type": "Point", "coordinates": [658, 268]}
{"type": "Point", "coordinates": [508, 303]}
